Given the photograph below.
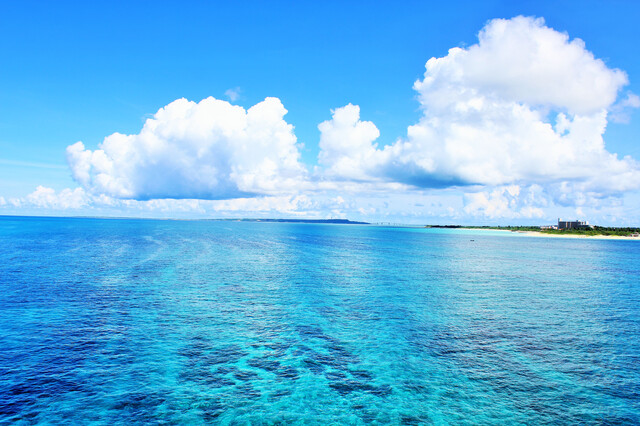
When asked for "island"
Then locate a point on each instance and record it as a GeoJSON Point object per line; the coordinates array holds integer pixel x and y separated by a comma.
{"type": "Point", "coordinates": [568, 229]}
{"type": "Point", "coordinates": [332, 221]}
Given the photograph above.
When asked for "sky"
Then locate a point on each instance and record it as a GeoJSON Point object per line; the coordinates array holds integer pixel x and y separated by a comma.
{"type": "Point", "coordinates": [494, 112]}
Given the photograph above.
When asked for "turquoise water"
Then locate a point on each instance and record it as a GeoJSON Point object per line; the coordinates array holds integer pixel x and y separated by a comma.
{"type": "Point", "coordinates": [194, 322]}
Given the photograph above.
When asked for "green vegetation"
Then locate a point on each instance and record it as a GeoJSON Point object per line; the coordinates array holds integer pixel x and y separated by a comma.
{"type": "Point", "coordinates": [499, 228]}
{"type": "Point", "coordinates": [508, 228]}
{"type": "Point", "coordinates": [596, 230]}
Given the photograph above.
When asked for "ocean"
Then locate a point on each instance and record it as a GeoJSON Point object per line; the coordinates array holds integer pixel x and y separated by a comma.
{"type": "Point", "coordinates": [116, 321]}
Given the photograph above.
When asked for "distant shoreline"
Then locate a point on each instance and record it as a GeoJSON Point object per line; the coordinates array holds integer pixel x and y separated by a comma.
{"type": "Point", "coordinates": [266, 220]}
{"type": "Point", "coordinates": [522, 230]}
{"type": "Point", "coordinates": [593, 237]}
{"type": "Point", "coordinates": [547, 235]}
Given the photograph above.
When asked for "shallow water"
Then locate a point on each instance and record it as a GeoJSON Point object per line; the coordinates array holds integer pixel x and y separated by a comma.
{"type": "Point", "coordinates": [193, 322]}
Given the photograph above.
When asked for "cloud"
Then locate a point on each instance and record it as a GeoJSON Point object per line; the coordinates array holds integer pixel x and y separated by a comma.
{"type": "Point", "coordinates": [205, 150]}
{"type": "Point", "coordinates": [522, 204]}
{"type": "Point", "coordinates": [233, 94]}
{"type": "Point", "coordinates": [506, 202]}
{"type": "Point", "coordinates": [32, 164]}
{"type": "Point", "coordinates": [621, 111]}
{"type": "Point", "coordinates": [291, 205]}
{"type": "Point", "coordinates": [346, 144]}
{"type": "Point", "coordinates": [47, 198]}
{"type": "Point", "coordinates": [521, 60]}
{"type": "Point", "coordinates": [525, 105]}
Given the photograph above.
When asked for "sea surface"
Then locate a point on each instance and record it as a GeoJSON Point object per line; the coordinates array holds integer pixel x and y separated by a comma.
{"type": "Point", "coordinates": [204, 322]}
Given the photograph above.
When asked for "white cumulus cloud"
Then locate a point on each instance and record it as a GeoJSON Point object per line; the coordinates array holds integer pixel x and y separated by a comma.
{"type": "Point", "coordinates": [346, 144]}
{"type": "Point", "coordinates": [205, 150]}
{"type": "Point", "coordinates": [522, 60]}
{"type": "Point", "coordinates": [524, 105]}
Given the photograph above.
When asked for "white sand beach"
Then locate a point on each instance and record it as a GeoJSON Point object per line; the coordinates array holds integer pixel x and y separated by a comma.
{"type": "Point", "coordinates": [593, 237]}
{"type": "Point", "coordinates": [546, 235]}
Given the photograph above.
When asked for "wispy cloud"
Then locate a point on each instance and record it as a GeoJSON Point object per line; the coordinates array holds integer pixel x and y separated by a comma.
{"type": "Point", "coordinates": [621, 111]}
{"type": "Point", "coordinates": [16, 163]}
{"type": "Point", "coordinates": [233, 94]}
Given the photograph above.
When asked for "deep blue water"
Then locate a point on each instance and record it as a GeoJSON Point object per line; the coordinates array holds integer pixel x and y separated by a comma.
{"type": "Point", "coordinates": [193, 322]}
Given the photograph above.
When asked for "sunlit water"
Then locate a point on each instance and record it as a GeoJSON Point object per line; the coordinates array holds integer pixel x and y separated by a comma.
{"type": "Point", "coordinates": [187, 322]}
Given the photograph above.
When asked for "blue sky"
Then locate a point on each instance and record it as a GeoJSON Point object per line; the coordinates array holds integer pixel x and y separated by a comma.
{"type": "Point", "coordinates": [81, 71]}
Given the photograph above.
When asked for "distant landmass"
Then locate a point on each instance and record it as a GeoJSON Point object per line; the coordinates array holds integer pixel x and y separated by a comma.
{"type": "Point", "coordinates": [337, 221]}
{"type": "Point", "coordinates": [585, 231]}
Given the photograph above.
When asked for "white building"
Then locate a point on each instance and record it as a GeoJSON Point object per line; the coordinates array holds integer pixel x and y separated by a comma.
{"type": "Point", "coordinates": [576, 224]}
